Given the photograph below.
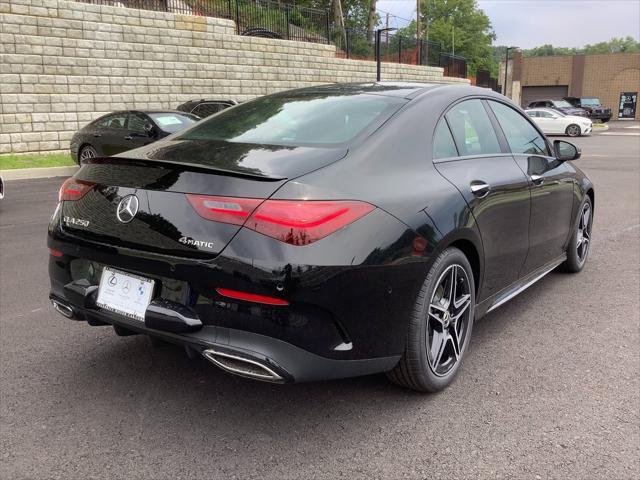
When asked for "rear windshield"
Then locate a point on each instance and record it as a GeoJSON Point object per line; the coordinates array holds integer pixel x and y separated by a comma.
{"type": "Point", "coordinates": [173, 122]}
{"type": "Point", "coordinates": [561, 103]}
{"type": "Point", "coordinates": [303, 119]}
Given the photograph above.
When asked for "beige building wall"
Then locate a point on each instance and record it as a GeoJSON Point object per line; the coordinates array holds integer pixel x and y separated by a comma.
{"type": "Point", "coordinates": [64, 63]}
{"type": "Point", "coordinates": [605, 76]}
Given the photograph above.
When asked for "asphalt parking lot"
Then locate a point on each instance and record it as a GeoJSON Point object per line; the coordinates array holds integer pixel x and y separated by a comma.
{"type": "Point", "coordinates": [550, 389]}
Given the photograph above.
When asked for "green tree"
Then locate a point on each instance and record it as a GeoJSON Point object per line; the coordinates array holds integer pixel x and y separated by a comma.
{"type": "Point", "coordinates": [461, 27]}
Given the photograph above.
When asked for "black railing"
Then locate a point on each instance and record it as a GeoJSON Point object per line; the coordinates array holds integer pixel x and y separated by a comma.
{"type": "Point", "coordinates": [484, 79]}
{"type": "Point", "coordinates": [273, 19]}
{"type": "Point", "coordinates": [394, 48]}
{"type": "Point", "coordinates": [454, 65]}
{"type": "Point", "coordinates": [259, 18]}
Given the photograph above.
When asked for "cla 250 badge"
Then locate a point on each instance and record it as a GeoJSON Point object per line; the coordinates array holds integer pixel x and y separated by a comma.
{"type": "Point", "coordinates": [78, 222]}
{"type": "Point", "coordinates": [195, 243]}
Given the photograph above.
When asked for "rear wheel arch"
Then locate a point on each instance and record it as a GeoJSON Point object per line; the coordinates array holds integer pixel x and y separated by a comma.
{"type": "Point", "coordinates": [471, 252]}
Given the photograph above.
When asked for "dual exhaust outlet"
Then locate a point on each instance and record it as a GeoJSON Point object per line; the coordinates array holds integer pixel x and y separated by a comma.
{"type": "Point", "coordinates": [62, 309]}
{"type": "Point", "coordinates": [242, 366]}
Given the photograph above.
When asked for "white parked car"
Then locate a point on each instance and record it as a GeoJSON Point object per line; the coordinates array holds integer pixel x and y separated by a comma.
{"type": "Point", "coordinates": [552, 122]}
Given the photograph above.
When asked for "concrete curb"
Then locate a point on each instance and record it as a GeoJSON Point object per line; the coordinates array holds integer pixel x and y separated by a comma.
{"type": "Point", "coordinates": [29, 173]}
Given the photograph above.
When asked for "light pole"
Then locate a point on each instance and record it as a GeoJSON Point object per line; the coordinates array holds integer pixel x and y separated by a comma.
{"type": "Point", "coordinates": [506, 67]}
{"type": "Point", "coordinates": [378, 38]}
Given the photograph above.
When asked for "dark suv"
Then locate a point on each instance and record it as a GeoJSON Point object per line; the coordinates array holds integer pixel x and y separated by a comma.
{"type": "Point", "coordinates": [204, 108]}
{"type": "Point", "coordinates": [560, 105]}
{"type": "Point", "coordinates": [592, 105]}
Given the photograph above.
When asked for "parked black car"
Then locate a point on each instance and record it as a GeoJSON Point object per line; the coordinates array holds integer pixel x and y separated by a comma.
{"type": "Point", "coordinates": [205, 108]}
{"type": "Point", "coordinates": [121, 131]}
{"type": "Point", "coordinates": [559, 105]}
{"type": "Point", "coordinates": [325, 232]}
{"type": "Point", "coordinates": [593, 106]}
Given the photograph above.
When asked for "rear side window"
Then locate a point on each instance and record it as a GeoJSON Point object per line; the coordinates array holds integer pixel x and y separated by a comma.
{"type": "Point", "coordinates": [443, 145]}
{"type": "Point", "coordinates": [472, 129]}
{"type": "Point", "coordinates": [206, 109]}
{"type": "Point", "coordinates": [521, 135]}
{"type": "Point", "coordinates": [311, 119]}
{"type": "Point", "coordinates": [172, 122]}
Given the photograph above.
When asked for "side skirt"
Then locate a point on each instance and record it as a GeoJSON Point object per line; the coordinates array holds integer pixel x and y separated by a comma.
{"type": "Point", "coordinates": [518, 287]}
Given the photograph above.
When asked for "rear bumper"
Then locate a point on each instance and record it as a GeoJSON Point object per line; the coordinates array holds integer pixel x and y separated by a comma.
{"type": "Point", "coordinates": [600, 115]}
{"type": "Point", "coordinates": [287, 362]}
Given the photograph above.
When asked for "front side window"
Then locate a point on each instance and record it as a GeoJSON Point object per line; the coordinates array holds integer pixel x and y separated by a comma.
{"type": "Point", "coordinates": [113, 121]}
{"type": "Point", "coordinates": [534, 114]}
{"type": "Point", "coordinates": [561, 104]}
{"type": "Point", "coordinates": [297, 119]}
{"type": "Point", "coordinates": [136, 123]}
{"type": "Point", "coordinates": [472, 129]}
{"type": "Point", "coordinates": [443, 145]}
{"type": "Point", "coordinates": [521, 135]}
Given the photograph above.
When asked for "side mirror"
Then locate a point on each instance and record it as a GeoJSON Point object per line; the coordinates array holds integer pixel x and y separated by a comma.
{"type": "Point", "coordinates": [150, 129]}
{"type": "Point", "coordinates": [565, 151]}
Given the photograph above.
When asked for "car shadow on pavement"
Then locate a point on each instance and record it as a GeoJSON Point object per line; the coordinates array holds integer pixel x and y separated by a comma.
{"type": "Point", "coordinates": [155, 386]}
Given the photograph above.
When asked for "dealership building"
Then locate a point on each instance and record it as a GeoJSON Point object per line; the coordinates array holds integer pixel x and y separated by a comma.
{"type": "Point", "coordinates": [614, 78]}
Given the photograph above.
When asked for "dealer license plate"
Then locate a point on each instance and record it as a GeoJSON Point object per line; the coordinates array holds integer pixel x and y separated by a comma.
{"type": "Point", "coordinates": [124, 293]}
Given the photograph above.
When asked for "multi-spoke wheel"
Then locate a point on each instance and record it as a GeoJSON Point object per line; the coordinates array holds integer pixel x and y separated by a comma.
{"type": "Point", "coordinates": [578, 249]}
{"type": "Point", "coordinates": [448, 320]}
{"type": "Point", "coordinates": [440, 326]}
{"type": "Point", "coordinates": [87, 152]}
{"type": "Point", "coordinates": [573, 130]}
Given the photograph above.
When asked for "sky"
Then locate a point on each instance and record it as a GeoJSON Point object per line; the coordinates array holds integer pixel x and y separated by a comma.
{"type": "Point", "coordinates": [530, 23]}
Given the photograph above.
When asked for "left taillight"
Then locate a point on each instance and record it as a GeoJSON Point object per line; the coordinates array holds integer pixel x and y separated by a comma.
{"type": "Point", "coordinates": [74, 189]}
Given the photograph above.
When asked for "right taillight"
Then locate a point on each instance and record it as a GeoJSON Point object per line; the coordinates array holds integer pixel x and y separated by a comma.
{"type": "Point", "coordinates": [297, 222]}
{"type": "Point", "coordinates": [300, 222]}
{"type": "Point", "coordinates": [74, 189]}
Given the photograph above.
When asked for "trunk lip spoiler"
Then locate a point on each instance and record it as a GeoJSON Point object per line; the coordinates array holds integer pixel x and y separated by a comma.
{"type": "Point", "coordinates": [185, 166]}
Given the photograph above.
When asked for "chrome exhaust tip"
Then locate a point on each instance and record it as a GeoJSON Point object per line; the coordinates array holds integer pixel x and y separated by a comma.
{"type": "Point", "coordinates": [62, 309]}
{"type": "Point", "coordinates": [242, 366]}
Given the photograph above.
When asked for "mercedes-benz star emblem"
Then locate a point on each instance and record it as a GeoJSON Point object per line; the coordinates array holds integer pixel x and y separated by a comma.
{"type": "Point", "coordinates": [127, 208]}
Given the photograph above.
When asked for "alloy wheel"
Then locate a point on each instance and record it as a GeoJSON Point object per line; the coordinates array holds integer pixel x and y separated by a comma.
{"type": "Point", "coordinates": [573, 130]}
{"type": "Point", "coordinates": [583, 238]}
{"type": "Point", "coordinates": [448, 320]}
{"type": "Point", "coordinates": [87, 152]}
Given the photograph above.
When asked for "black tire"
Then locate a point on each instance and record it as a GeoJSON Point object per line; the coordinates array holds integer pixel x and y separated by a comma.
{"type": "Point", "coordinates": [86, 151]}
{"type": "Point", "coordinates": [573, 130]}
{"type": "Point", "coordinates": [604, 120]}
{"type": "Point", "coordinates": [415, 369]}
{"type": "Point", "coordinates": [580, 243]}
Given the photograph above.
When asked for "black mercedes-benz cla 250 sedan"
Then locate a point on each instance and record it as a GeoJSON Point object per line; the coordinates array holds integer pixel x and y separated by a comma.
{"type": "Point", "coordinates": [326, 232]}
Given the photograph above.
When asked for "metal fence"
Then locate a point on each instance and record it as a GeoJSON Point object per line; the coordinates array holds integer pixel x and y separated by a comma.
{"type": "Point", "coordinates": [274, 19]}
{"type": "Point", "coordinates": [454, 65]}
{"type": "Point", "coordinates": [394, 48]}
{"type": "Point", "coordinates": [259, 18]}
{"type": "Point", "coordinates": [484, 79]}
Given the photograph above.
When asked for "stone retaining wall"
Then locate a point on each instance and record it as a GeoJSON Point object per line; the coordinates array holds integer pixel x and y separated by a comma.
{"type": "Point", "coordinates": [64, 63]}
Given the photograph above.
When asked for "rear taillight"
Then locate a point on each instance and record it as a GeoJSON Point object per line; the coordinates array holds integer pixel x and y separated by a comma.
{"type": "Point", "coordinates": [301, 222]}
{"type": "Point", "coordinates": [223, 209]}
{"type": "Point", "coordinates": [74, 189]}
{"type": "Point", "coordinates": [297, 222]}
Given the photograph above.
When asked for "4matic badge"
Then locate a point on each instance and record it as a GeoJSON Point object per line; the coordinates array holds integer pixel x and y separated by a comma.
{"type": "Point", "coordinates": [195, 243]}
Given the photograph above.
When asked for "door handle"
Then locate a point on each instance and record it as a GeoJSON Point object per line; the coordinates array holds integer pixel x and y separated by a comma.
{"type": "Point", "coordinates": [97, 135]}
{"type": "Point", "coordinates": [129, 137]}
{"type": "Point", "coordinates": [480, 189]}
{"type": "Point", "coordinates": [537, 179]}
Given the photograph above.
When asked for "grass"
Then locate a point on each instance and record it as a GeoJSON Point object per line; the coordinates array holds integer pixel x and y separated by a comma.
{"type": "Point", "coordinates": [12, 162]}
